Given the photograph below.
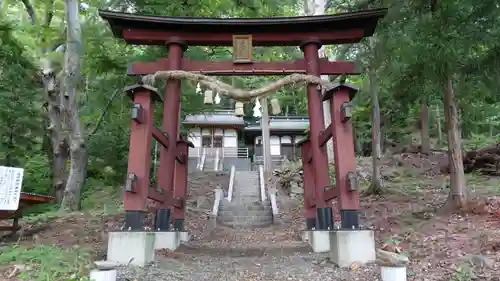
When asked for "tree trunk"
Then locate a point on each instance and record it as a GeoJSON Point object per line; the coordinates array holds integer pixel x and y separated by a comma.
{"type": "Point", "coordinates": [71, 77]}
{"type": "Point", "coordinates": [55, 131]}
{"type": "Point", "coordinates": [438, 128]}
{"type": "Point", "coordinates": [376, 186]}
{"type": "Point", "coordinates": [424, 127]}
{"type": "Point", "coordinates": [459, 194]}
{"type": "Point", "coordinates": [57, 142]}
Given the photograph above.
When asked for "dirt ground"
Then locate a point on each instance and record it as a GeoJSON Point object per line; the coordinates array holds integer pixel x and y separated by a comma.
{"type": "Point", "coordinates": [448, 247]}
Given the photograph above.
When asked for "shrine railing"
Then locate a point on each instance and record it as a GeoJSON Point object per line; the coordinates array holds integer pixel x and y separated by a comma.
{"type": "Point", "coordinates": [221, 152]}
{"type": "Point", "coordinates": [276, 161]}
{"type": "Point", "coordinates": [231, 184]}
{"type": "Point", "coordinates": [262, 184]}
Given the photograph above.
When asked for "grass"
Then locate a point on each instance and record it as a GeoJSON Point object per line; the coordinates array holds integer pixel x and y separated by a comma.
{"type": "Point", "coordinates": [51, 263]}
{"type": "Point", "coordinates": [47, 263]}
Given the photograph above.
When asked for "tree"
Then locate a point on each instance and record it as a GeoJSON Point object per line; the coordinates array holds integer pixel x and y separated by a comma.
{"type": "Point", "coordinates": [71, 78]}
{"type": "Point", "coordinates": [376, 185]}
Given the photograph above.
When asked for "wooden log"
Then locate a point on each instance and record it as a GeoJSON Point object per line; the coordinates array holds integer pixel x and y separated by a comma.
{"type": "Point", "coordinates": [485, 160]}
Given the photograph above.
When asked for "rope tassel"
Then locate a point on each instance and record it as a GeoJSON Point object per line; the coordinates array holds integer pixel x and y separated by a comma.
{"type": "Point", "coordinates": [275, 106]}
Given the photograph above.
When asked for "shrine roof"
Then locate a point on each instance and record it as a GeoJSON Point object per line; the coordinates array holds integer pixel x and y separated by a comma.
{"type": "Point", "coordinates": [366, 21]}
{"type": "Point", "coordinates": [282, 123]}
{"type": "Point", "coordinates": [215, 118]}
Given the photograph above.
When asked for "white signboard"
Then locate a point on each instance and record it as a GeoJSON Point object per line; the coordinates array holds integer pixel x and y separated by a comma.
{"type": "Point", "coordinates": [11, 180]}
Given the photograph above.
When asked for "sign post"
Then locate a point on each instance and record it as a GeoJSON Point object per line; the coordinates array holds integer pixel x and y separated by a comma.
{"type": "Point", "coordinates": [11, 181]}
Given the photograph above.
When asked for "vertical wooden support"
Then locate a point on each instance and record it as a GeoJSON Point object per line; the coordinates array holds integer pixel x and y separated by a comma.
{"type": "Point", "coordinates": [345, 157]}
{"type": "Point", "coordinates": [317, 124]}
{"type": "Point", "coordinates": [139, 158]}
{"type": "Point", "coordinates": [309, 186]}
{"type": "Point", "coordinates": [170, 125]}
{"type": "Point", "coordinates": [266, 139]}
{"type": "Point", "coordinates": [181, 186]}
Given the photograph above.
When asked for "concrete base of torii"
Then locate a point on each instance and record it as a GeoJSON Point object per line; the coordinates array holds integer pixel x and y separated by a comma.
{"type": "Point", "coordinates": [345, 246]}
{"type": "Point", "coordinates": [138, 247]}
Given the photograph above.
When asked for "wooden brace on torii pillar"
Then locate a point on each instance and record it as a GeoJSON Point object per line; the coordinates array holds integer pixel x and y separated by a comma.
{"type": "Point", "coordinates": [346, 179]}
{"type": "Point", "coordinates": [181, 185]}
{"type": "Point", "coordinates": [346, 189]}
{"type": "Point", "coordinates": [137, 185]}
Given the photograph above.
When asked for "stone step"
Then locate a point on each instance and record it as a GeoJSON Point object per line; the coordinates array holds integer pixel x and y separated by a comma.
{"type": "Point", "coordinates": [247, 201]}
{"type": "Point", "coordinates": [246, 208]}
{"type": "Point", "coordinates": [249, 217]}
{"type": "Point", "coordinates": [245, 226]}
{"type": "Point", "coordinates": [248, 204]}
{"type": "Point", "coordinates": [246, 188]}
{"type": "Point", "coordinates": [249, 207]}
{"type": "Point", "coordinates": [256, 179]}
{"type": "Point", "coordinates": [247, 173]}
{"type": "Point", "coordinates": [231, 215]}
{"type": "Point", "coordinates": [246, 184]}
{"type": "Point", "coordinates": [246, 222]}
{"type": "Point", "coordinates": [247, 197]}
{"type": "Point", "coordinates": [246, 194]}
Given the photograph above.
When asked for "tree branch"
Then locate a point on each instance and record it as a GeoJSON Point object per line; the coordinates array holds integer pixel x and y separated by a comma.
{"type": "Point", "coordinates": [101, 117]}
{"type": "Point", "coordinates": [31, 11]}
{"type": "Point", "coordinates": [49, 13]}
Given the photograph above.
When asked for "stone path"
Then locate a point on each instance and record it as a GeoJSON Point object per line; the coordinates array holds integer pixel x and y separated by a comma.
{"type": "Point", "coordinates": [296, 267]}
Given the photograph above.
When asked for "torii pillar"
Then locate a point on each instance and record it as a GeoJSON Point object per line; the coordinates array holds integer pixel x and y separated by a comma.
{"type": "Point", "coordinates": [348, 243]}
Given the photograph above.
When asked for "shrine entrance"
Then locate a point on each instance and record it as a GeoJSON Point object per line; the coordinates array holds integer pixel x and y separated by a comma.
{"type": "Point", "coordinates": [177, 34]}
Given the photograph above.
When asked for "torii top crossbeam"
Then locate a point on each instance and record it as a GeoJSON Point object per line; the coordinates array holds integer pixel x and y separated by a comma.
{"type": "Point", "coordinates": [279, 31]}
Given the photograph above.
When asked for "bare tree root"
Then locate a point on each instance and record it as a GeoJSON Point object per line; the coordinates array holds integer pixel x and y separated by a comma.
{"type": "Point", "coordinates": [374, 189]}
{"type": "Point", "coordinates": [235, 93]}
{"type": "Point", "coordinates": [463, 205]}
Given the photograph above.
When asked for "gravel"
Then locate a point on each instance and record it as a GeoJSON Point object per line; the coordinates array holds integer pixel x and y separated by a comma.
{"type": "Point", "coordinates": [300, 266]}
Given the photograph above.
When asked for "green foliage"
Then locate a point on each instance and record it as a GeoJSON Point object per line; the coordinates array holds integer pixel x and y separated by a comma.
{"type": "Point", "coordinates": [480, 141]}
{"type": "Point", "coordinates": [21, 120]}
{"type": "Point", "coordinates": [48, 262]}
{"type": "Point", "coordinates": [25, 40]}
{"type": "Point", "coordinates": [413, 50]}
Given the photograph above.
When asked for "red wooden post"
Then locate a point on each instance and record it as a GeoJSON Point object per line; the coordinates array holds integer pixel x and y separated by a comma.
{"type": "Point", "coordinates": [170, 125]}
{"type": "Point", "coordinates": [139, 158]}
{"type": "Point", "coordinates": [317, 124]}
{"type": "Point", "coordinates": [181, 186]}
{"type": "Point", "coordinates": [345, 158]}
{"type": "Point", "coordinates": [309, 186]}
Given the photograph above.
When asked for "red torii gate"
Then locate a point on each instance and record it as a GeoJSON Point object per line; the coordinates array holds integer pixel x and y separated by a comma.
{"type": "Point", "coordinates": [177, 33]}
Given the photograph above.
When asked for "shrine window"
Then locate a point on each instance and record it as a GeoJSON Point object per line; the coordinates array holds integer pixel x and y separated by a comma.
{"type": "Point", "coordinates": [218, 141]}
{"type": "Point", "coordinates": [206, 141]}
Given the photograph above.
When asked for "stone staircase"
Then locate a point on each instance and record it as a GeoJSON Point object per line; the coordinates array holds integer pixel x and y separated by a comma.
{"type": "Point", "coordinates": [246, 210]}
